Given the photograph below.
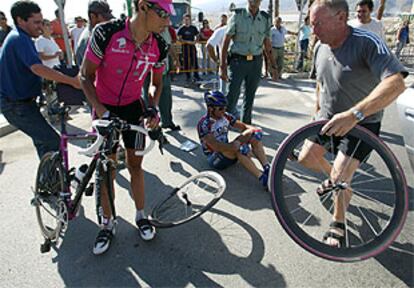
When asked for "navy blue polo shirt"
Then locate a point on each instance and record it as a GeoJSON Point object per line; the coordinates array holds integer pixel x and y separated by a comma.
{"type": "Point", "coordinates": [18, 54]}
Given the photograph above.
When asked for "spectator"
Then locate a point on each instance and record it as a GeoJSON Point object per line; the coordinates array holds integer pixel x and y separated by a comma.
{"type": "Point", "coordinates": [98, 12]}
{"type": "Point", "coordinates": [215, 43]}
{"type": "Point", "coordinates": [278, 45]}
{"type": "Point", "coordinates": [4, 28]}
{"type": "Point", "coordinates": [188, 35]}
{"type": "Point", "coordinates": [249, 29]}
{"type": "Point", "coordinates": [76, 32]}
{"type": "Point", "coordinates": [402, 37]}
{"type": "Point", "coordinates": [305, 32]}
{"type": "Point", "coordinates": [223, 22]}
{"type": "Point", "coordinates": [364, 20]}
{"type": "Point", "coordinates": [49, 52]}
{"type": "Point", "coordinates": [20, 63]}
{"type": "Point", "coordinates": [57, 32]}
{"type": "Point", "coordinates": [205, 34]}
{"type": "Point", "coordinates": [213, 130]}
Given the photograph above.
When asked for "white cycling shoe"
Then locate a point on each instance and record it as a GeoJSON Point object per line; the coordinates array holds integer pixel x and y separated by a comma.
{"type": "Point", "coordinates": [145, 229]}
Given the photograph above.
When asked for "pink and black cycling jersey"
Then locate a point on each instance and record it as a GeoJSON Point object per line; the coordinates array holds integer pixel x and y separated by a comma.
{"type": "Point", "coordinates": [123, 65]}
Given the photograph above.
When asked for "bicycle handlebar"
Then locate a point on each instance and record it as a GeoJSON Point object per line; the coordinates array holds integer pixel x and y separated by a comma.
{"type": "Point", "coordinates": [102, 125]}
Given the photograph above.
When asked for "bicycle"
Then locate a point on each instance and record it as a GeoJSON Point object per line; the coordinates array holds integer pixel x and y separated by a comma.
{"type": "Point", "coordinates": [55, 204]}
{"type": "Point", "coordinates": [376, 213]}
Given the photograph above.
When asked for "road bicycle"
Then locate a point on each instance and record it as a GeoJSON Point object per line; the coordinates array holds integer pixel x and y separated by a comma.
{"type": "Point", "coordinates": [377, 210]}
{"type": "Point", "coordinates": [56, 205]}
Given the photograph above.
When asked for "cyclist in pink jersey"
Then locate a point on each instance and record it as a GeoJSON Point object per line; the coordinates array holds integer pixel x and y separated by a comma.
{"type": "Point", "coordinates": [118, 57]}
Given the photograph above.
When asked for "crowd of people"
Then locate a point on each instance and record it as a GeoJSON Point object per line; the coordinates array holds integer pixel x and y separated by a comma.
{"type": "Point", "coordinates": [124, 72]}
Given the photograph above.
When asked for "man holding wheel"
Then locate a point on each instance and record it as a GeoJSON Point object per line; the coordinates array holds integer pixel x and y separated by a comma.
{"type": "Point", "coordinates": [119, 56]}
{"type": "Point", "coordinates": [357, 77]}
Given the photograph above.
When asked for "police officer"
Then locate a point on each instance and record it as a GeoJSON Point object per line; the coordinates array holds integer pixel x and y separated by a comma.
{"type": "Point", "coordinates": [249, 29]}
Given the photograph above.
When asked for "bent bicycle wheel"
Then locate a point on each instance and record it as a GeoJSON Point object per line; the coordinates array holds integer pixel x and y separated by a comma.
{"type": "Point", "coordinates": [377, 209]}
{"type": "Point", "coordinates": [188, 201]}
{"type": "Point", "coordinates": [51, 211]}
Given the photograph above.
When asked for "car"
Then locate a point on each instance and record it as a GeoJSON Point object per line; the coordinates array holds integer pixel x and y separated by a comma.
{"type": "Point", "coordinates": [405, 105]}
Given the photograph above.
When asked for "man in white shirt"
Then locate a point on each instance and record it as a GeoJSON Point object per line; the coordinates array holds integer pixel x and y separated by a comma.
{"type": "Point", "coordinates": [77, 31]}
{"type": "Point", "coordinates": [364, 21]}
{"type": "Point", "coordinates": [49, 51]}
{"type": "Point", "coordinates": [216, 41]}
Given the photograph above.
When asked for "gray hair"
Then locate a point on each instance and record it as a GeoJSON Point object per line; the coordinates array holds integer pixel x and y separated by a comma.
{"type": "Point", "coordinates": [333, 5]}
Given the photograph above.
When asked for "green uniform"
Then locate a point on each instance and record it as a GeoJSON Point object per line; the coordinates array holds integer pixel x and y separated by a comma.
{"type": "Point", "coordinates": [245, 57]}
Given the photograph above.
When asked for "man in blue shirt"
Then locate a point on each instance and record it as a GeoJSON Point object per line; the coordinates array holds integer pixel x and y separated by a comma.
{"type": "Point", "coordinates": [20, 78]}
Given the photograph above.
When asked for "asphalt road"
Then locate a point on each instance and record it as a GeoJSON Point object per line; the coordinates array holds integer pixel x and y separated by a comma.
{"type": "Point", "coordinates": [238, 244]}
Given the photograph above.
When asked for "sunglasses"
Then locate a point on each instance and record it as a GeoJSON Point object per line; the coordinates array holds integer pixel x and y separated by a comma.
{"type": "Point", "coordinates": [160, 12]}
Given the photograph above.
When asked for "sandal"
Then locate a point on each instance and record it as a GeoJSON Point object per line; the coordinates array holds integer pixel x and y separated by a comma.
{"type": "Point", "coordinates": [325, 187]}
{"type": "Point", "coordinates": [335, 233]}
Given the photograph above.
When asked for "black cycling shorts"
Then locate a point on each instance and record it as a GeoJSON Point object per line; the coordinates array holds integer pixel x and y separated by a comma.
{"type": "Point", "coordinates": [132, 114]}
{"type": "Point", "coordinates": [349, 145]}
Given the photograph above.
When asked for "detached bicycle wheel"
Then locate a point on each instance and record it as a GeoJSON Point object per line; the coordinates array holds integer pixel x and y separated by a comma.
{"type": "Point", "coordinates": [51, 211]}
{"type": "Point", "coordinates": [188, 201]}
{"type": "Point", "coordinates": [377, 209]}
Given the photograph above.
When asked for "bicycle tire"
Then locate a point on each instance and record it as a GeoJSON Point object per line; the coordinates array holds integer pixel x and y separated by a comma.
{"type": "Point", "coordinates": [190, 200]}
{"type": "Point", "coordinates": [288, 175]}
{"type": "Point", "coordinates": [51, 211]}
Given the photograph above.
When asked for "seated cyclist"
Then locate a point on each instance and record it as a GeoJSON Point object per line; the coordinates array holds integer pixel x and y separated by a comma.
{"type": "Point", "coordinates": [119, 56]}
{"type": "Point", "coordinates": [213, 130]}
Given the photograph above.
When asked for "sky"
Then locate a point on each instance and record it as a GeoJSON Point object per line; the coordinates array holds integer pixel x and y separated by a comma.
{"type": "Point", "coordinates": [75, 8]}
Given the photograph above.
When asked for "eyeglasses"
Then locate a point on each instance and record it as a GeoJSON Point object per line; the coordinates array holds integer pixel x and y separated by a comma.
{"type": "Point", "coordinates": [160, 12]}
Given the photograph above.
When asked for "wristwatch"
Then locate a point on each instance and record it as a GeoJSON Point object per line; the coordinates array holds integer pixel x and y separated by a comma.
{"type": "Point", "coordinates": [358, 114]}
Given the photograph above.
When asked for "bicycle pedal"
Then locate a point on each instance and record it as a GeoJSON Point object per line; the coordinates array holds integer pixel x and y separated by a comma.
{"type": "Point", "coordinates": [89, 189]}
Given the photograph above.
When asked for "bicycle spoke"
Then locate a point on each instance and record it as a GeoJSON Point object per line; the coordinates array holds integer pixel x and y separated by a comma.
{"type": "Point", "coordinates": [366, 220]}
{"type": "Point", "coordinates": [356, 192]}
{"type": "Point", "coordinates": [370, 181]}
{"type": "Point", "coordinates": [377, 191]}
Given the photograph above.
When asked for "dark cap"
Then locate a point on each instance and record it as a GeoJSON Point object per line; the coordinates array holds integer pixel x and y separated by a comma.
{"type": "Point", "coordinates": [100, 7]}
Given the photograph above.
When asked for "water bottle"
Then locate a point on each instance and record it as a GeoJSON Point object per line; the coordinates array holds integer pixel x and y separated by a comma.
{"type": "Point", "coordinates": [79, 174]}
{"type": "Point", "coordinates": [245, 149]}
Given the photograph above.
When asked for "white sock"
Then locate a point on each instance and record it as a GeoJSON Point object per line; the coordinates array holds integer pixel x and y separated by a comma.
{"type": "Point", "coordinates": [107, 223]}
{"type": "Point", "coordinates": [139, 215]}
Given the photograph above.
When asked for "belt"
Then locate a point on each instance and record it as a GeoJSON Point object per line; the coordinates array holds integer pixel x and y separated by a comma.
{"type": "Point", "coordinates": [27, 100]}
{"type": "Point", "coordinates": [278, 47]}
{"type": "Point", "coordinates": [245, 57]}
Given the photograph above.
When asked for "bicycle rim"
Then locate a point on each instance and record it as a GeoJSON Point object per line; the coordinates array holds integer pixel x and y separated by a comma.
{"type": "Point", "coordinates": [377, 209]}
{"type": "Point", "coordinates": [51, 211]}
{"type": "Point", "coordinates": [188, 201]}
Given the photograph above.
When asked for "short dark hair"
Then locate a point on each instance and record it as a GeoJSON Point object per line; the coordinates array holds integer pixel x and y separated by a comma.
{"type": "Point", "coordinates": [2, 14]}
{"type": "Point", "coordinates": [369, 3]}
{"type": "Point", "coordinates": [24, 9]}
